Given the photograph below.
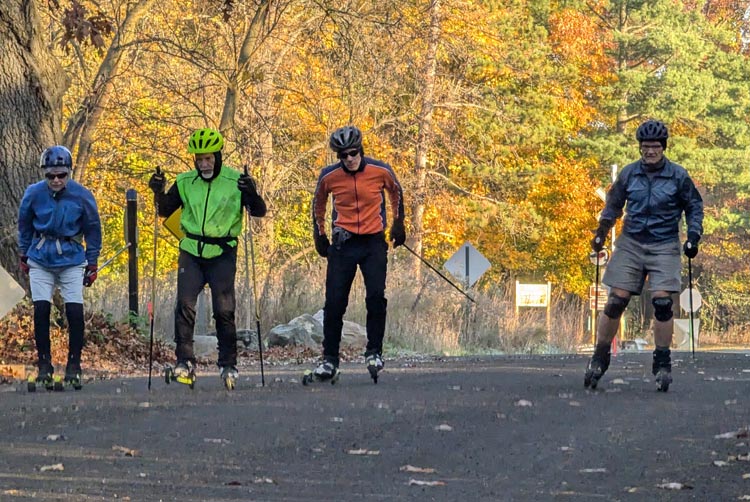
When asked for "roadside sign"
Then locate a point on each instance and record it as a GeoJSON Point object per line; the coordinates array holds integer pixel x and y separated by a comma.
{"type": "Point", "coordinates": [682, 333]}
{"type": "Point", "coordinates": [532, 295]}
{"type": "Point", "coordinates": [10, 292]}
{"type": "Point", "coordinates": [685, 300]}
{"type": "Point", "coordinates": [603, 295]}
{"type": "Point", "coordinates": [603, 257]}
{"type": "Point", "coordinates": [467, 264]}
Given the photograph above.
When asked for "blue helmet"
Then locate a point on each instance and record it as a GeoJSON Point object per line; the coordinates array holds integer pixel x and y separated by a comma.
{"type": "Point", "coordinates": [56, 156]}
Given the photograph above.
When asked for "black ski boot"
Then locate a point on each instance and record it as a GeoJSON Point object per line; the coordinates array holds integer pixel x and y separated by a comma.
{"type": "Point", "coordinates": [374, 363]}
{"type": "Point", "coordinates": [44, 375]}
{"type": "Point", "coordinates": [229, 375]}
{"type": "Point", "coordinates": [326, 371]}
{"type": "Point", "coordinates": [662, 369]}
{"type": "Point", "coordinates": [183, 372]}
{"type": "Point", "coordinates": [597, 366]}
{"type": "Point", "coordinates": [73, 376]}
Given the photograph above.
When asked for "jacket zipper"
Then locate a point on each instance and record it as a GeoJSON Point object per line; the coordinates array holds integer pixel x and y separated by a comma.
{"type": "Point", "coordinates": [201, 245]}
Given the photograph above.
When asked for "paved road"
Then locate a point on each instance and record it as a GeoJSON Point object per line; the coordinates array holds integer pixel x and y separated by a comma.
{"type": "Point", "coordinates": [506, 428]}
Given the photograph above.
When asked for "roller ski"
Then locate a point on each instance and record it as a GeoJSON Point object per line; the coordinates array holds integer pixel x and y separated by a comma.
{"type": "Point", "coordinates": [73, 376]}
{"type": "Point", "coordinates": [374, 365]}
{"type": "Point", "coordinates": [229, 375]}
{"type": "Point", "coordinates": [325, 372]}
{"type": "Point", "coordinates": [596, 368]}
{"type": "Point", "coordinates": [44, 378]}
{"type": "Point", "coordinates": [183, 372]}
{"type": "Point", "coordinates": [662, 370]}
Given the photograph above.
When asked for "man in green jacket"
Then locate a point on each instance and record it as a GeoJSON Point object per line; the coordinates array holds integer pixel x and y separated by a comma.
{"type": "Point", "coordinates": [211, 198]}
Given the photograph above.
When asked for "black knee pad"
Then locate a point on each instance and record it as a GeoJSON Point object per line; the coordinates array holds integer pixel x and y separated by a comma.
{"type": "Point", "coordinates": [615, 306]}
{"type": "Point", "coordinates": [662, 308]}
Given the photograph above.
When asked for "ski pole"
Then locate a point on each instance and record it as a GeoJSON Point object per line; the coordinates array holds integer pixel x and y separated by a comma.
{"type": "Point", "coordinates": [255, 288]}
{"type": "Point", "coordinates": [690, 301]}
{"type": "Point", "coordinates": [438, 273]}
{"type": "Point", "coordinates": [112, 258]}
{"type": "Point", "coordinates": [153, 287]}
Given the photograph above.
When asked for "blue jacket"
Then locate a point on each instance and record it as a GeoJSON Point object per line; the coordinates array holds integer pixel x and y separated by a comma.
{"type": "Point", "coordinates": [63, 219]}
{"type": "Point", "coordinates": [654, 206]}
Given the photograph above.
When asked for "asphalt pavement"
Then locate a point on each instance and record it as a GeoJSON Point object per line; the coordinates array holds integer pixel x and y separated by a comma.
{"type": "Point", "coordinates": [491, 428]}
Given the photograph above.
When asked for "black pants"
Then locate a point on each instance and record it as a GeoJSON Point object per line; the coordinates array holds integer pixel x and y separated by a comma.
{"type": "Point", "coordinates": [74, 314]}
{"type": "Point", "coordinates": [193, 274]}
{"type": "Point", "coordinates": [370, 253]}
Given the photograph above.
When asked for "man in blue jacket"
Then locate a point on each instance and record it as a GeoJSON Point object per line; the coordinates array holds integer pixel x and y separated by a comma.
{"type": "Point", "coordinates": [655, 192]}
{"type": "Point", "coordinates": [59, 238]}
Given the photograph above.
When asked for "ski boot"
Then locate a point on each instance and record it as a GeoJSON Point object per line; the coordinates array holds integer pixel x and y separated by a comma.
{"type": "Point", "coordinates": [183, 372]}
{"type": "Point", "coordinates": [325, 371]}
{"type": "Point", "coordinates": [374, 363]}
{"type": "Point", "coordinates": [229, 375]}
{"type": "Point", "coordinates": [73, 375]}
{"type": "Point", "coordinates": [662, 369]}
{"type": "Point", "coordinates": [597, 367]}
{"type": "Point", "coordinates": [44, 376]}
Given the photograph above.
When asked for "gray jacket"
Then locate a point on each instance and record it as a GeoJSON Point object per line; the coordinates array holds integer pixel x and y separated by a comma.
{"type": "Point", "coordinates": [654, 207]}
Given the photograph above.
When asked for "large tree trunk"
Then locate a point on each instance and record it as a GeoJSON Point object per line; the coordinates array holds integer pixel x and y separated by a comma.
{"type": "Point", "coordinates": [32, 84]}
{"type": "Point", "coordinates": [424, 122]}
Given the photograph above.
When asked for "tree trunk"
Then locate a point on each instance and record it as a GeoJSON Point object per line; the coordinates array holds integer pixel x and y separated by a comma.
{"type": "Point", "coordinates": [32, 84]}
{"type": "Point", "coordinates": [82, 124]}
{"type": "Point", "coordinates": [424, 122]}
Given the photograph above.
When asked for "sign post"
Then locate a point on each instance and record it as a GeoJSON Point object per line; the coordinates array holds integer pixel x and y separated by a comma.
{"type": "Point", "coordinates": [467, 264]}
{"type": "Point", "coordinates": [535, 295]}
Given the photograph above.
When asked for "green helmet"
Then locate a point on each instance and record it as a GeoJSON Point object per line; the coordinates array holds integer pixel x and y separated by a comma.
{"type": "Point", "coordinates": [205, 141]}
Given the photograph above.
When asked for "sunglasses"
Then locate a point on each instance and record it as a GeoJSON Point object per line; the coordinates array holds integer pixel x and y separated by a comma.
{"type": "Point", "coordinates": [350, 153]}
{"type": "Point", "coordinates": [59, 176]}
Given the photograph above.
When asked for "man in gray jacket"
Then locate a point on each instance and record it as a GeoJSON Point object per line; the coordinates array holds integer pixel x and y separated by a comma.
{"type": "Point", "coordinates": [654, 192]}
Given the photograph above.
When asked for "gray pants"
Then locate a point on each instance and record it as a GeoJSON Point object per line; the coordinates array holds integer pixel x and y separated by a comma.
{"type": "Point", "coordinates": [633, 261]}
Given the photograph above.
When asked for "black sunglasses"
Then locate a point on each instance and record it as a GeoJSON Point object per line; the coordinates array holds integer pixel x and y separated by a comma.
{"type": "Point", "coordinates": [60, 176]}
{"type": "Point", "coordinates": [350, 153]}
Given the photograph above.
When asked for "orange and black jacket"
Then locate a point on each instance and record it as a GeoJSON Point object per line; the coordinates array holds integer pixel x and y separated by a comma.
{"type": "Point", "coordinates": [358, 197]}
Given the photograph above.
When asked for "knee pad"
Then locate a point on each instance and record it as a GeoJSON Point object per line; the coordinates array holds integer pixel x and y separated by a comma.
{"type": "Point", "coordinates": [662, 308]}
{"type": "Point", "coordinates": [615, 306]}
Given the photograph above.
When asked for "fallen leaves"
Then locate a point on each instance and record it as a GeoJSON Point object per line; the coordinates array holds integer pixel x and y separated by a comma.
{"type": "Point", "coordinates": [363, 451]}
{"type": "Point", "coordinates": [128, 452]}
{"type": "Point", "coordinates": [674, 486]}
{"type": "Point", "coordinates": [53, 467]}
{"type": "Point", "coordinates": [411, 468]}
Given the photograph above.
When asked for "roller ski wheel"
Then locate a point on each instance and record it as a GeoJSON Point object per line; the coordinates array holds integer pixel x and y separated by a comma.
{"type": "Point", "coordinates": [663, 379]}
{"type": "Point", "coordinates": [325, 372]}
{"type": "Point", "coordinates": [182, 373]}
{"type": "Point", "coordinates": [33, 382]}
{"type": "Point", "coordinates": [229, 376]}
{"type": "Point", "coordinates": [73, 377]}
{"type": "Point", "coordinates": [58, 384]}
{"type": "Point", "coordinates": [593, 374]}
{"type": "Point", "coordinates": [374, 366]}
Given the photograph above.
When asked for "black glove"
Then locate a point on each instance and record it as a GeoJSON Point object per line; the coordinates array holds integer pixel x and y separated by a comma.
{"type": "Point", "coordinates": [246, 185]}
{"type": "Point", "coordinates": [690, 247]}
{"type": "Point", "coordinates": [157, 182]}
{"type": "Point", "coordinates": [597, 243]}
{"type": "Point", "coordinates": [322, 244]}
{"type": "Point", "coordinates": [398, 233]}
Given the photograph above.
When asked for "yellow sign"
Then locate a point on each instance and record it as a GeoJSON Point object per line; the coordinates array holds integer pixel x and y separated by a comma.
{"type": "Point", "coordinates": [172, 223]}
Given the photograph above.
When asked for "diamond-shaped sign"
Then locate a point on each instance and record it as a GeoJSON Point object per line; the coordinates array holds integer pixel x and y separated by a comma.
{"type": "Point", "coordinates": [10, 292]}
{"type": "Point", "coordinates": [467, 264]}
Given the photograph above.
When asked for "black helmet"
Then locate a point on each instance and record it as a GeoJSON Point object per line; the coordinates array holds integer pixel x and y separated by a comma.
{"type": "Point", "coordinates": [652, 130]}
{"type": "Point", "coordinates": [56, 156]}
{"type": "Point", "coordinates": [345, 137]}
